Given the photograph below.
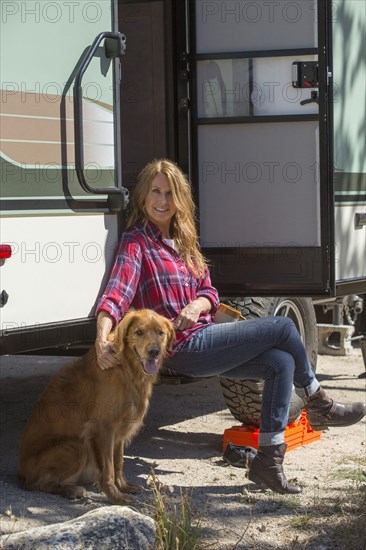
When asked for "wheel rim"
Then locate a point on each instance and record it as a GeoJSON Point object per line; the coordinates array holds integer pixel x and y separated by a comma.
{"type": "Point", "coordinates": [287, 308]}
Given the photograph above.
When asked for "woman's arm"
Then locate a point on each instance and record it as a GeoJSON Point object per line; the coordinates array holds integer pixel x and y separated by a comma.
{"type": "Point", "coordinates": [117, 298]}
{"type": "Point", "coordinates": [123, 281]}
{"type": "Point", "coordinates": [104, 349]}
{"type": "Point", "coordinates": [189, 315]}
{"type": "Point", "coordinates": [206, 290]}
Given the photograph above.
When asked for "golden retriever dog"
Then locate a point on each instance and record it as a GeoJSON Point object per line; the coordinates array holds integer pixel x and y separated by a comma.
{"type": "Point", "coordinates": [84, 417]}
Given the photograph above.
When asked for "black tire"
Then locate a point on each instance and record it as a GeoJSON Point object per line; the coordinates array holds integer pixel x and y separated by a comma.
{"type": "Point", "coordinates": [244, 397]}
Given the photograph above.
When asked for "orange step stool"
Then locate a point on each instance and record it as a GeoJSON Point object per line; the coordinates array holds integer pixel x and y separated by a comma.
{"type": "Point", "coordinates": [296, 434]}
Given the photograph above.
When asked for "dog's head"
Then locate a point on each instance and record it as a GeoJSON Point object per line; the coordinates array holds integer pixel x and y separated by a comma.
{"type": "Point", "coordinates": [147, 335]}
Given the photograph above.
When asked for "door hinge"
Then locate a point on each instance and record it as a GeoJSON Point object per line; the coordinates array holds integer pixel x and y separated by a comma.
{"type": "Point", "coordinates": [360, 220]}
{"type": "Point", "coordinates": [184, 74]}
{"type": "Point", "coordinates": [329, 75]}
{"type": "Point", "coordinates": [184, 57]}
{"type": "Point", "coordinates": [184, 103]}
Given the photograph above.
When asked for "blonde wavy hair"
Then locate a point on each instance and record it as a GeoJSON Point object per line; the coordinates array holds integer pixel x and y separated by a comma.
{"type": "Point", "coordinates": [182, 227]}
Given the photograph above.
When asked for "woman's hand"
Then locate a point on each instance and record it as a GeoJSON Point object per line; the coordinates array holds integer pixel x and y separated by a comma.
{"type": "Point", "coordinates": [106, 357]}
{"type": "Point", "coordinates": [189, 315]}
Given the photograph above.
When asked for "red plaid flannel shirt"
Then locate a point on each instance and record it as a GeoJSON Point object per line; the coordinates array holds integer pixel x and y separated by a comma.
{"type": "Point", "coordinates": [148, 273]}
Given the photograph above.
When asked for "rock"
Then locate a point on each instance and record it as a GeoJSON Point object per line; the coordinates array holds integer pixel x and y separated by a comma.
{"type": "Point", "coordinates": [114, 527]}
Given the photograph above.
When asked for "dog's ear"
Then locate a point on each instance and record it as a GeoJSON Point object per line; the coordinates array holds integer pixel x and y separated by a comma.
{"type": "Point", "coordinates": [120, 332]}
{"type": "Point", "coordinates": [171, 335]}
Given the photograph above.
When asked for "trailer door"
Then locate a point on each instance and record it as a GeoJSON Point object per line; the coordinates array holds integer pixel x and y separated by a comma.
{"type": "Point", "coordinates": [349, 52]}
{"type": "Point", "coordinates": [261, 156]}
{"type": "Point", "coordinates": [60, 171]}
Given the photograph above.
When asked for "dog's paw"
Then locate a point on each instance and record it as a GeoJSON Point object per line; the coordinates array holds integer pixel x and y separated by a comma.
{"type": "Point", "coordinates": [116, 496]}
{"type": "Point", "coordinates": [73, 492]}
{"type": "Point", "coordinates": [125, 487]}
{"type": "Point", "coordinates": [131, 488]}
{"type": "Point", "coordinates": [125, 499]}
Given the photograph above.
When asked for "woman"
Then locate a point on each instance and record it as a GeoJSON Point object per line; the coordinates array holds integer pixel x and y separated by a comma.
{"type": "Point", "coordinates": [159, 266]}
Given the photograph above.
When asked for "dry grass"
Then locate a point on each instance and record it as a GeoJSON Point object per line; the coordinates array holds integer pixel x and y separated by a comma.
{"type": "Point", "coordinates": [177, 526]}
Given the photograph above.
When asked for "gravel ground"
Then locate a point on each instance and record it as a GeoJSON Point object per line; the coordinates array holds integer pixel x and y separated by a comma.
{"type": "Point", "coordinates": [182, 437]}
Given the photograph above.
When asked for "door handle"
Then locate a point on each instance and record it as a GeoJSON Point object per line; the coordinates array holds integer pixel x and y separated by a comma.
{"type": "Point", "coordinates": [115, 45]}
{"type": "Point", "coordinates": [313, 99]}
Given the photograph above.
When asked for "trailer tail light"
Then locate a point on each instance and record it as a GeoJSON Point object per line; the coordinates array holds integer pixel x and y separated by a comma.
{"type": "Point", "coordinates": [5, 251]}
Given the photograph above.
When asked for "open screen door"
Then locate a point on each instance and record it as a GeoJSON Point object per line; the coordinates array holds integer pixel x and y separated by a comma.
{"type": "Point", "coordinates": [261, 151]}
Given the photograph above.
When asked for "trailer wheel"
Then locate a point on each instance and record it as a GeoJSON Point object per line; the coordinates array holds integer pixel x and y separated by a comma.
{"type": "Point", "coordinates": [244, 397]}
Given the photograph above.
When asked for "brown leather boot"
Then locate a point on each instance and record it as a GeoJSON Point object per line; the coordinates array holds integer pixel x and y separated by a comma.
{"type": "Point", "coordinates": [323, 412]}
{"type": "Point", "coordinates": [266, 470]}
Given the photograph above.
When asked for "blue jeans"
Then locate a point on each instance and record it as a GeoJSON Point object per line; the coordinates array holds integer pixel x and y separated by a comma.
{"type": "Point", "coordinates": [268, 349]}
